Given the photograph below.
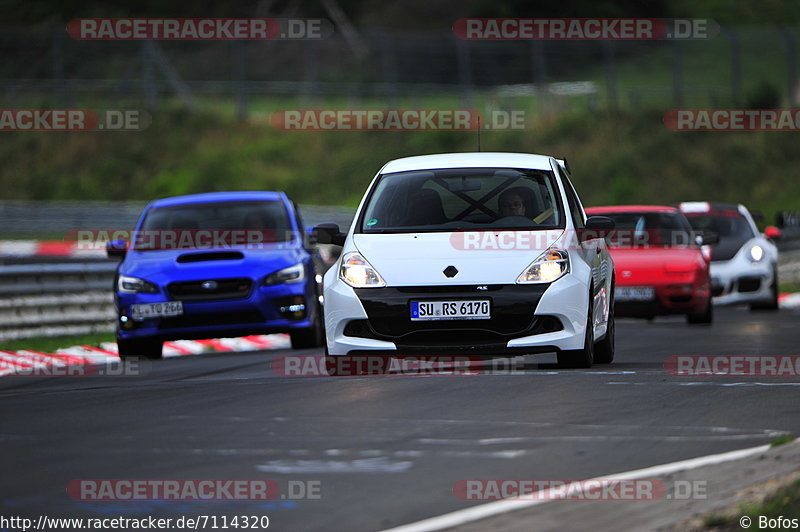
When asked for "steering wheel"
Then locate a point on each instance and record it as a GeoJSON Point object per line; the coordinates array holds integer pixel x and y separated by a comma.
{"type": "Point", "coordinates": [513, 220]}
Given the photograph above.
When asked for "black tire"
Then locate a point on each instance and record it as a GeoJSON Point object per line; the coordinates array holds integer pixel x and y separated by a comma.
{"type": "Point", "coordinates": [581, 358]}
{"type": "Point", "coordinates": [307, 338]}
{"type": "Point", "coordinates": [310, 337]}
{"type": "Point", "coordinates": [604, 349]}
{"type": "Point", "coordinates": [772, 304]}
{"type": "Point", "coordinates": [704, 317]}
{"type": "Point", "coordinates": [328, 361]}
{"type": "Point", "coordinates": [152, 349]}
{"type": "Point", "coordinates": [330, 364]}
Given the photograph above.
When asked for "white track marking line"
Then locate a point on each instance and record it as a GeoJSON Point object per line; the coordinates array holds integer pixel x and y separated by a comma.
{"type": "Point", "coordinates": [468, 515]}
{"type": "Point", "coordinates": [706, 383]}
{"type": "Point", "coordinates": [360, 465]}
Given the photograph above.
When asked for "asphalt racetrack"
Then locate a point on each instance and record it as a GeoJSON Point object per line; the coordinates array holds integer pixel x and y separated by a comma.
{"type": "Point", "coordinates": [380, 452]}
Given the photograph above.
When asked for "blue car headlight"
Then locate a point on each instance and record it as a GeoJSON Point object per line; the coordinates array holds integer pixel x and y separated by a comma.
{"type": "Point", "coordinates": [292, 274]}
{"type": "Point", "coordinates": [134, 285]}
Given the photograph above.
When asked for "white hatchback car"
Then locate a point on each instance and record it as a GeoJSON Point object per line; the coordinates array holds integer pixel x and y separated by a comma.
{"type": "Point", "coordinates": [744, 262]}
{"type": "Point", "coordinates": [485, 254]}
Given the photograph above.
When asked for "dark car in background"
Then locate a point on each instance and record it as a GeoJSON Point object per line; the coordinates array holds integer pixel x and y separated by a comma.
{"type": "Point", "coordinates": [744, 263]}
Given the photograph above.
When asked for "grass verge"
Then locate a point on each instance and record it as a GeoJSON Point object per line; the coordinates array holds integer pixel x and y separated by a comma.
{"type": "Point", "coordinates": [50, 345]}
{"type": "Point", "coordinates": [783, 505]}
{"type": "Point", "coordinates": [625, 157]}
{"type": "Point", "coordinates": [788, 287]}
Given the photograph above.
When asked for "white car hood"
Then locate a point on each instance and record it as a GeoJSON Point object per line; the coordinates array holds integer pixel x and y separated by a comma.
{"type": "Point", "coordinates": [481, 257]}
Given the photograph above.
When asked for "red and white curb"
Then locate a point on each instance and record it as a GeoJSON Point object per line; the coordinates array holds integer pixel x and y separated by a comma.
{"type": "Point", "coordinates": [25, 361]}
{"type": "Point", "coordinates": [789, 300]}
{"type": "Point", "coordinates": [47, 248]}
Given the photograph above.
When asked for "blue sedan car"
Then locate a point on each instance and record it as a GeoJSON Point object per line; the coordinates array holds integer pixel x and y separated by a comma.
{"type": "Point", "coordinates": [216, 265]}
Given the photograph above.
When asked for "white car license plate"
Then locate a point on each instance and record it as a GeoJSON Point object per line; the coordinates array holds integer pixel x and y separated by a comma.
{"type": "Point", "coordinates": [460, 309]}
{"type": "Point", "coordinates": [635, 293]}
{"type": "Point", "coordinates": [156, 310]}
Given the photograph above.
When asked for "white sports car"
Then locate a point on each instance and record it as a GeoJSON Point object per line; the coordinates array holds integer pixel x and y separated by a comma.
{"type": "Point", "coordinates": [744, 263]}
{"type": "Point", "coordinates": [486, 254]}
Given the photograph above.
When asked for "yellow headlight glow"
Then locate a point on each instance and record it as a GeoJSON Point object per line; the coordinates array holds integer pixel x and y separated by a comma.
{"type": "Point", "coordinates": [358, 273]}
{"type": "Point", "coordinates": [550, 266]}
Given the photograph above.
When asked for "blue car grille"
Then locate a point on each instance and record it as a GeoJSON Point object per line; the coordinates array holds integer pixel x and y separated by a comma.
{"type": "Point", "coordinates": [210, 289]}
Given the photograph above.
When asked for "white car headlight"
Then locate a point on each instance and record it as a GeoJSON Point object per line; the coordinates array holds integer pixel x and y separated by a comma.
{"type": "Point", "coordinates": [358, 273]}
{"type": "Point", "coordinates": [134, 285]}
{"type": "Point", "coordinates": [549, 266]}
{"type": "Point", "coordinates": [292, 274]}
{"type": "Point", "coordinates": [756, 253]}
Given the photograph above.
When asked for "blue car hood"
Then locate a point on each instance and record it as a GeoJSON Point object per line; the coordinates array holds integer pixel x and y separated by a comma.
{"type": "Point", "coordinates": [165, 266]}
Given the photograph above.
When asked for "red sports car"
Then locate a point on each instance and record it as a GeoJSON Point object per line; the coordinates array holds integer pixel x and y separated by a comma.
{"type": "Point", "coordinates": [661, 266]}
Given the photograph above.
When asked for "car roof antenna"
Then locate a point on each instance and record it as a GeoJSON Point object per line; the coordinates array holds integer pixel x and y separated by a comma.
{"type": "Point", "coordinates": [479, 132]}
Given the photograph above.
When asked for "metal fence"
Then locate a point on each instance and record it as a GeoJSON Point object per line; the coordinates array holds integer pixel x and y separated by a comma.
{"type": "Point", "coordinates": [392, 66]}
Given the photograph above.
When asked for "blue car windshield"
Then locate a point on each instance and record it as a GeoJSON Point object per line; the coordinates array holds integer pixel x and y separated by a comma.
{"type": "Point", "coordinates": [214, 225]}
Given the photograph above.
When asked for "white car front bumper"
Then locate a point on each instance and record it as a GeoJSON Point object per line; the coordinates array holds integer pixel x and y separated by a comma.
{"type": "Point", "coordinates": [740, 280]}
{"type": "Point", "coordinates": [565, 299]}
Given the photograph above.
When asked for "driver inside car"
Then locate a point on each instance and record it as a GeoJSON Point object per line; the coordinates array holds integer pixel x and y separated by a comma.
{"type": "Point", "coordinates": [513, 202]}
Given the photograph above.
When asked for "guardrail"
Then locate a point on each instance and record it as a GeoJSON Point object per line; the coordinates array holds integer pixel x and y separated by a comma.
{"type": "Point", "coordinates": [36, 218]}
{"type": "Point", "coordinates": [56, 299]}
{"type": "Point", "coordinates": [789, 224]}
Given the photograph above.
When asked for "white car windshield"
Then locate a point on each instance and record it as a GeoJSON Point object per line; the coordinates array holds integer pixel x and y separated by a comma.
{"type": "Point", "coordinates": [727, 224]}
{"type": "Point", "coordinates": [463, 199]}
